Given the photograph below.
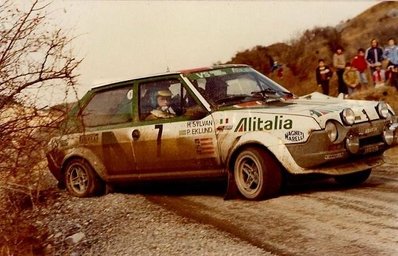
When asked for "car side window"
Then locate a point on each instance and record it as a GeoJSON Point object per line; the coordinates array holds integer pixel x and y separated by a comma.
{"type": "Point", "coordinates": [166, 98]}
{"type": "Point", "coordinates": [109, 107]}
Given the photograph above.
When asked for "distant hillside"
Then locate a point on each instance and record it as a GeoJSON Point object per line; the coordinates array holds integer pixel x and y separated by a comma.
{"type": "Point", "coordinates": [300, 55]}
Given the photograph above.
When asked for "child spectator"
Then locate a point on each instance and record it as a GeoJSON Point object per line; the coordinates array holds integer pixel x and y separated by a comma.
{"type": "Point", "coordinates": [323, 74]}
{"type": "Point", "coordinates": [339, 63]}
{"type": "Point", "coordinates": [374, 55]}
{"type": "Point", "coordinates": [391, 53]}
{"type": "Point", "coordinates": [360, 64]}
{"type": "Point", "coordinates": [379, 76]}
{"type": "Point", "coordinates": [351, 78]}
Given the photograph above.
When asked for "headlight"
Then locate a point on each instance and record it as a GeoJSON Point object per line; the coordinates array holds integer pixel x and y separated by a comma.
{"type": "Point", "coordinates": [388, 135]}
{"type": "Point", "coordinates": [331, 130]}
{"type": "Point", "coordinates": [348, 116]}
{"type": "Point", "coordinates": [352, 144]}
{"type": "Point", "coordinates": [382, 109]}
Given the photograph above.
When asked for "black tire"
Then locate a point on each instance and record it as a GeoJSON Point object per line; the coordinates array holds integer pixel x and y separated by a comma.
{"type": "Point", "coordinates": [81, 180]}
{"type": "Point", "coordinates": [353, 179]}
{"type": "Point", "coordinates": [257, 174]}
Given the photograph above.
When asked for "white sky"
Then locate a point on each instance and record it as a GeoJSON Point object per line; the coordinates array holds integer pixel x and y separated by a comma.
{"type": "Point", "coordinates": [124, 39]}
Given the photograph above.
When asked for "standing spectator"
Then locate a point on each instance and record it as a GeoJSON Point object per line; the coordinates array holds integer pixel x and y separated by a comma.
{"type": "Point", "coordinates": [391, 53]}
{"type": "Point", "coordinates": [394, 77]}
{"type": "Point", "coordinates": [339, 63]}
{"type": "Point", "coordinates": [323, 74]}
{"type": "Point", "coordinates": [379, 76]}
{"type": "Point", "coordinates": [374, 55]}
{"type": "Point", "coordinates": [389, 71]}
{"type": "Point", "coordinates": [360, 64]}
{"type": "Point", "coordinates": [351, 78]}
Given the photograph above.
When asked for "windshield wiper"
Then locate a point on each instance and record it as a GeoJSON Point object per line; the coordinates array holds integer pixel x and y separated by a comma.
{"type": "Point", "coordinates": [270, 94]}
{"type": "Point", "coordinates": [266, 94]}
{"type": "Point", "coordinates": [232, 99]}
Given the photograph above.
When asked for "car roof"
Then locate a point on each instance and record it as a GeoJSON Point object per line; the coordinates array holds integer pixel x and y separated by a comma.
{"type": "Point", "coordinates": [185, 72]}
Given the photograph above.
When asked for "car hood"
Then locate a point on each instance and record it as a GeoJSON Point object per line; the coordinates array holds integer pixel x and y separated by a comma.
{"type": "Point", "coordinates": [316, 105]}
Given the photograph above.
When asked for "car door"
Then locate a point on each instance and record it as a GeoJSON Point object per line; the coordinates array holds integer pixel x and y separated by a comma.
{"type": "Point", "coordinates": [179, 145]}
{"type": "Point", "coordinates": [107, 120]}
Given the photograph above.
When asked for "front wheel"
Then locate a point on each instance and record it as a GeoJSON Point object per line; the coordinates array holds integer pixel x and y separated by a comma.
{"type": "Point", "coordinates": [81, 180]}
{"type": "Point", "coordinates": [257, 174]}
{"type": "Point", "coordinates": [353, 179]}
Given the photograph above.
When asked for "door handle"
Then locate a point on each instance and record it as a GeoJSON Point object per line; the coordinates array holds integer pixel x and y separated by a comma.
{"type": "Point", "coordinates": [136, 134]}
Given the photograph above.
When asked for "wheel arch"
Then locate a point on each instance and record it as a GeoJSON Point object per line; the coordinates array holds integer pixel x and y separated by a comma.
{"type": "Point", "coordinates": [255, 144]}
{"type": "Point", "coordinates": [271, 144]}
{"type": "Point", "coordinates": [86, 155]}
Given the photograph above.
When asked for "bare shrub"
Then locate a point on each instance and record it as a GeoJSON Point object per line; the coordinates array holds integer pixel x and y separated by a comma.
{"type": "Point", "coordinates": [35, 57]}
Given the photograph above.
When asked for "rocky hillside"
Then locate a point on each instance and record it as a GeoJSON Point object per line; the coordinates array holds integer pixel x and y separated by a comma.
{"type": "Point", "coordinates": [300, 56]}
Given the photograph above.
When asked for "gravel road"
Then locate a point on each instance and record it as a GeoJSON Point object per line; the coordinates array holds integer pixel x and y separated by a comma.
{"type": "Point", "coordinates": [314, 217]}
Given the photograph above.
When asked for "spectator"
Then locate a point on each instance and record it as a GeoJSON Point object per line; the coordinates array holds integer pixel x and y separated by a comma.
{"type": "Point", "coordinates": [374, 55]}
{"type": "Point", "coordinates": [323, 74]}
{"type": "Point", "coordinates": [351, 78]}
{"type": "Point", "coordinates": [339, 63]}
{"type": "Point", "coordinates": [394, 77]}
{"type": "Point", "coordinates": [391, 53]}
{"type": "Point", "coordinates": [379, 76]}
{"type": "Point", "coordinates": [360, 64]}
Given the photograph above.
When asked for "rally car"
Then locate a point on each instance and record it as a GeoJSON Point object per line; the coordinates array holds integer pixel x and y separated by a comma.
{"type": "Point", "coordinates": [227, 121]}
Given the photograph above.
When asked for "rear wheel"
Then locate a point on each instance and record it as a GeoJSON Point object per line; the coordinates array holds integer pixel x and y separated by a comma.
{"type": "Point", "coordinates": [353, 179]}
{"type": "Point", "coordinates": [81, 180]}
{"type": "Point", "coordinates": [257, 174]}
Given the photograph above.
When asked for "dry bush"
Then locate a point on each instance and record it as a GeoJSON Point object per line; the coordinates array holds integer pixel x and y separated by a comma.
{"type": "Point", "coordinates": [35, 57]}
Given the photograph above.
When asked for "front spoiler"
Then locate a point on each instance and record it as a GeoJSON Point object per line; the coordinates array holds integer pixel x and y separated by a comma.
{"type": "Point", "coordinates": [347, 167]}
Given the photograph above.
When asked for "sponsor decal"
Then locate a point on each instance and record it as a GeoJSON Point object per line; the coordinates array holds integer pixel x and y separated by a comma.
{"type": "Point", "coordinates": [318, 113]}
{"type": "Point", "coordinates": [211, 73]}
{"type": "Point", "coordinates": [248, 124]}
{"type": "Point", "coordinates": [334, 156]}
{"type": "Point", "coordinates": [88, 138]}
{"type": "Point", "coordinates": [294, 136]}
{"type": "Point", "coordinates": [224, 125]}
{"type": "Point", "coordinates": [368, 130]}
{"type": "Point", "coordinates": [224, 121]}
{"type": "Point", "coordinates": [204, 146]}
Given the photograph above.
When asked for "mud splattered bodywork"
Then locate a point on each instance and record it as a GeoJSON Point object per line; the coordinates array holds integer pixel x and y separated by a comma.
{"type": "Point", "coordinates": [217, 120]}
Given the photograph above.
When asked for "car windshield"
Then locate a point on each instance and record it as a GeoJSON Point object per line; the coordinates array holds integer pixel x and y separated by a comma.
{"type": "Point", "coordinates": [234, 85]}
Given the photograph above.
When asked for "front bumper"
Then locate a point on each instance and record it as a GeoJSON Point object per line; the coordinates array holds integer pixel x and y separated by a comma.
{"type": "Point", "coordinates": [318, 151]}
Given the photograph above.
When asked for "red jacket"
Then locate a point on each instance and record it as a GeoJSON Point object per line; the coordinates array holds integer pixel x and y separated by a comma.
{"type": "Point", "coordinates": [359, 63]}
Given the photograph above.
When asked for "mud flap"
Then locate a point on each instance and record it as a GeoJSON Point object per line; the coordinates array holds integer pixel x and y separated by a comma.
{"type": "Point", "coordinates": [109, 189]}
{"type": "Point", "coordinates": [232, 190]}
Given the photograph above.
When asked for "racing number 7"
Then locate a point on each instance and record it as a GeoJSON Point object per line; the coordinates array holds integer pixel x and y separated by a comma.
{"type": "Point", "coordinates": [159, 139]}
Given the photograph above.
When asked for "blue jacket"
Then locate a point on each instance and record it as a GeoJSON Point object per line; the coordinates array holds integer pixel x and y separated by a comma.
{"type": "Point", "coordinates": [391, 53]}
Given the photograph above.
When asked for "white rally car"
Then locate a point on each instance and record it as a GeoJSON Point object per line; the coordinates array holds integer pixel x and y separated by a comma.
{"type": "Point", "coordinates": [227, 121]}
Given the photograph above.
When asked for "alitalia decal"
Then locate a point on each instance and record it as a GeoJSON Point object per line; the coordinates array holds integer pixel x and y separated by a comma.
{"type": "Point", "coordinates": [249, 124]}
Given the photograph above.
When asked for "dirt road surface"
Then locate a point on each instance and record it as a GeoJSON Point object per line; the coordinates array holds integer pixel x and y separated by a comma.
{"type": "Point", "coordinates": [314, 217]}
{"type": "Point", "coordinates": [318, 219]}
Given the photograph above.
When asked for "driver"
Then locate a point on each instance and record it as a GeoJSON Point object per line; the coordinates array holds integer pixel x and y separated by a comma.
{"type": "Point", "coordinates": [163, 109]}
